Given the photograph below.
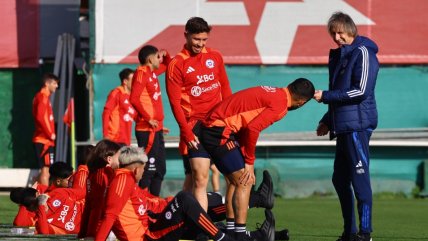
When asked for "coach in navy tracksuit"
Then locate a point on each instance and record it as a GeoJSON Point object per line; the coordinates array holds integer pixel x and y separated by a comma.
{"type": "Point", "coordinates": [351, 117]}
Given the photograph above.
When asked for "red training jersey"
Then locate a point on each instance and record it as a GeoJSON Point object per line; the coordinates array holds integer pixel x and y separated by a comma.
{"type": "Point", "coordinates": [43, 118]}
{"type": "Point", "coordinates": [118, 115]}
{"type": "Point", "coordinates": [249, 112]}
{"type": "Point", "coordinates": [126, 208]}
{"type": "Point", "coordinates": [98, 183]}
{"type": "Point", "coordinates": [195, 84]}
{"type": "Point", "coordinates": [79, 178]}
{"type": "Point", "coordinates": [63, 213]}
{"type": "Point", "coordinates": [146, 96]}
{"type": "Point", "coordinates": [24, 217]}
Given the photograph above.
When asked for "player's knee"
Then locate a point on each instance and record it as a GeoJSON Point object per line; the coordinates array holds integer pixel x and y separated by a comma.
{"type": "Point", "coordinates": [184, 197]}
{"type": "Point", "coordinates": [200, 179]}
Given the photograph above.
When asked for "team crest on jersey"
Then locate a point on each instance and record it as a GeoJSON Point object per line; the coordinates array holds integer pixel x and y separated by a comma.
{"type": "Point", "coordinates": [209, 63]}
{"type": "Point", "coordinates": [141, 210]}
{"type": "Point", "coordinates": [56, 203]}
{"type": "Point", "coordinates": [152, 160]}
{"type": "Point", "coordinates": [269, 88]}
{"type": "Point", "coordinates": [168, 215]}
{"type": "Point", "coordinates": [51, 118]}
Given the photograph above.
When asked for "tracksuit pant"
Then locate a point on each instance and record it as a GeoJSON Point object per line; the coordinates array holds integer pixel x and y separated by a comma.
{"type": "Point", "coordinates": [351, 177]}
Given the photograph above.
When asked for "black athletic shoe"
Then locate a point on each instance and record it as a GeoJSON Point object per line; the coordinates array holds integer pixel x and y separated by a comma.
{"type": "Point", "coordinates": [267, 230]}
{"type": "Point", "coordinates": [349, 237]}
{"type": "Point", "coordinates": [265, 191]}
{"type": "Point", "coordinates": [282, 235]}
{"type": "Point", "coordinates": [363, 237]}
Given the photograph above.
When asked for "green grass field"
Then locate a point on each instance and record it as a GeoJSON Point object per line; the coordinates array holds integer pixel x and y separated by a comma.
{"type": "Point", "coordinates": [319, 218]}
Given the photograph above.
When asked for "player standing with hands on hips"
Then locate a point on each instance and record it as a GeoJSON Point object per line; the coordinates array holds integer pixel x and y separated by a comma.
{"type": "Point", "coordinates": [351, 118]}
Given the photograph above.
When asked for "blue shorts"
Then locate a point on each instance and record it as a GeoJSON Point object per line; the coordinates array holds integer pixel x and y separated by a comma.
{"type": "Point", "coordinates": [231, 162]}
{"type": "Point", "coordinates": [225, 154]}
{"type": "Point", "coordinates": [193, 153]}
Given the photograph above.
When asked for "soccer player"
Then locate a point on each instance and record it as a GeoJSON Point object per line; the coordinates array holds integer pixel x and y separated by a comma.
{"type": "Point", "coordinates": [351, 117]}
{"type": "Point", "coordinates": [118, 112]}
{"type": "Point", "coordinates": [147, 101]}
{"type": "Point", "coordinates": [196, 81]}
{"type": "Point", "coordinates": [59, 175]}
{"type": "Point", "coordinates": [230, 132]}
{"type": "Point", "coordinates": [129, 212]}
{"type": "Point", "coordinates": [102, 161]}
{"type": "Point", "coordinates": [56, 213]}
{"type": "Point", "coordinates": [78, 179]}
{"type": "Point", "coordinates": [44, 135]}
{"type": "Point", "coordinates": [59, 210]}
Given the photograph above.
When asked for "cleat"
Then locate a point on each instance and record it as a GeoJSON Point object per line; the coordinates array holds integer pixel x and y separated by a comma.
{"type": "Point", "coordinates": [268, 227]}
{"type": "Point", "coordinates": [282, 235]}
{"type": "Point", "coordinates": [265, 192]}
{"type": "Point", "coordinates": [351, 237]}
{"type": "Point", "coordinates": [363, 237]}
{"type": "Point", "coordinates": [266, 231]}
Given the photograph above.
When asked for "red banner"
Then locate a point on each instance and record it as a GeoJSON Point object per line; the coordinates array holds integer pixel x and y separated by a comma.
{"type": "Point", "coordinates": [264, 31]}
{"type": "Point", "coordinates": [19, 44]}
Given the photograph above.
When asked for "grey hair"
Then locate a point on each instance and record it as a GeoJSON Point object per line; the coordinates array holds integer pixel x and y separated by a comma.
{"type": "Point", "coordinates": [130, 154]}
{"type": "Point", "coordinates": [340, 20]}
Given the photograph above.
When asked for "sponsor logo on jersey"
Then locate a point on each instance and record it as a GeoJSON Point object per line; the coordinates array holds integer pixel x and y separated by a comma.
{"type": "Point", "coordinates": [204, 78]}
{"type": "Point", "coordinates": [156, 95]}
{"type": "Point", "coordinates": [69, 226]}
{"type": "Point", "coordinates": [56, 203]}
{"type": "Point", "coordinates": [197, 90]}
{"type": "Point", "coordinates": [127, 117]}
{"type": "Point", "coordinates": [209, 63]}
{"type": "Point", "coordinates": [131, 110]}
{"type": "Point", "coordinates": [63, 213]}
{"type": "Point", "coordinates": [126, 101]}
{"type": "Point", "coordinates": [190, 70]}
{"type": "Point", "coordinates": [269, 88]}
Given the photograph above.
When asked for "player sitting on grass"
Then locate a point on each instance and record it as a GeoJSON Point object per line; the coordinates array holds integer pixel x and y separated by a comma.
{"type": "Point", "coordinates": [131, 215]}
{"type": "Point", "coordinates": [59, 173]}
{"type": "Point", "coordinates": [58, 211]}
